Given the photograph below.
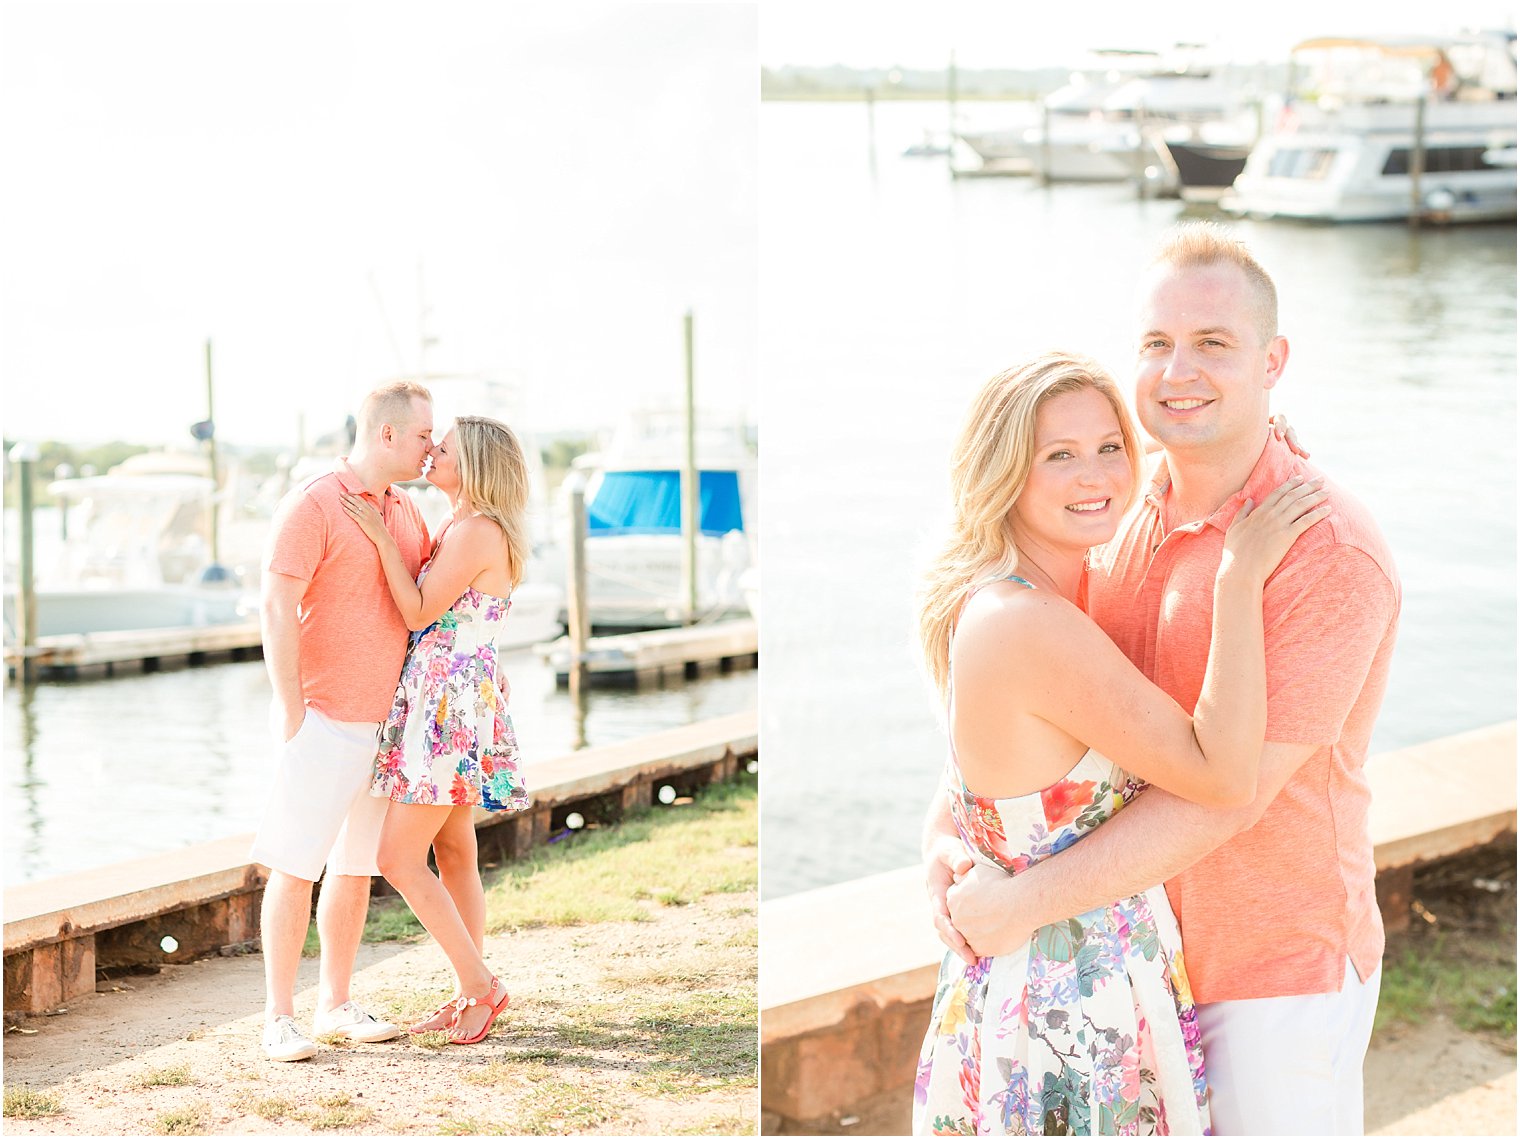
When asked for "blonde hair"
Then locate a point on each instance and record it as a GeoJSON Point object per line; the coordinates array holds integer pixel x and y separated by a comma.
{"type": "Point", "coordinates": [1202, 244]}
{"type": "Point", "coordinates": [988, 469]}
{"type": "Point", "coordinates": [493, 478]}
{"type": "Point", "coordinates": [391, 403]}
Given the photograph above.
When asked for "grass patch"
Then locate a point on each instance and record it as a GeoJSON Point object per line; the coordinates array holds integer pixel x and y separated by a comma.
{"type": "Point", "coordinates": [692, 1042]}
{"type": "Point", "coordinates": [1438, 978]}
{"type": "Point", "coordinates": [719, 1125]}
{"type": "Point", "coordinates": [21, 1102]}
{"type": "Point", "coordinates": [469, 1125]}
{"type": "Point", "coordinates": [273, 1108]}
{"type": "Point", "coordinates": [558, 1107]}
{"type": "Point", "coordinates": [175, 1076]}
{"type": "Point", "coordinates": [187, 1120]}
{"type": "Point", "coordinates": [391, 919]}
{"type": "Point", "coordinates": [500, 1073]}
{"type": "Point", "coordinates": [1457, 958]}
{"type": "Point", "coordinates": [669, 856]}
{"type": "Point", "coordinates": [335, 1112]}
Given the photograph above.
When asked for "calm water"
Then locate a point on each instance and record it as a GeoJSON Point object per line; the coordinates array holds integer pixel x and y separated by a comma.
{"type": "Point", "coordinates": [101, 770]}
{"type": "Point", "coordinates": [890, 292]}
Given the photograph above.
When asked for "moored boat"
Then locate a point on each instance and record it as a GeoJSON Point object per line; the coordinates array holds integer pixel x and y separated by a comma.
{"type": "Point", "coordinates": [1380, 129]}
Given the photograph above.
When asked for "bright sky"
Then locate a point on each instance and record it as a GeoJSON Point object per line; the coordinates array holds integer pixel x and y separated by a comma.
{"type": "Point", "coordinates": [559, 182]}
{"type": "Point", "coordinates": [1021, 33]}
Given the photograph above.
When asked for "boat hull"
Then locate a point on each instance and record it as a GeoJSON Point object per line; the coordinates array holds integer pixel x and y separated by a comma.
{"type": "Point", "coordinates": [1341, 178]}
{"type": "Point", "coordinates": [73, 611]}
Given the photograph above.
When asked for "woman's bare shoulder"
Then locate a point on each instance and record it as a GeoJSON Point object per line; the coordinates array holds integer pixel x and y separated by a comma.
{"type": "Point", "coordinates": [1006, 624]}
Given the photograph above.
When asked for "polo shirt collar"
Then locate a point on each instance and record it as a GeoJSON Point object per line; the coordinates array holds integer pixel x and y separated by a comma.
{"type": "Point", "coordinates": [1276, 464]}
{"type": "Point", "coordinates": [350, 481]}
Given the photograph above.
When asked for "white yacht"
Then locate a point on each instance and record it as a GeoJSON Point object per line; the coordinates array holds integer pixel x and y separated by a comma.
{"type": "Point", "coordinates": [1383, 128]}
{"type": "Point", "coordinates": [1104, 125]}
{"type": "Point", "coordinates": [137, 554]}
{"type": "Point", "coordinates": [633, 506]}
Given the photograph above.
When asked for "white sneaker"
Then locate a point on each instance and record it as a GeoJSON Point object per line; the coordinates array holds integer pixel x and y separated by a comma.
{"type": "Point", "coordinates": [350, 1021]}
{"type": "Point", "coordinates": [284, 1041]}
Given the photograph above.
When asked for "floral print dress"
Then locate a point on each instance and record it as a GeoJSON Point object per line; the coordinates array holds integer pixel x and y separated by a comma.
{"type": "Point", "coordinates": [1089, 1029]}
{"type": "Point", "coordinates": [448, 738]}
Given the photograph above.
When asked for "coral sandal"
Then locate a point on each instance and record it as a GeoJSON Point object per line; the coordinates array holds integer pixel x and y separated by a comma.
{"type": "Point", "coordinates": [496, 1008]}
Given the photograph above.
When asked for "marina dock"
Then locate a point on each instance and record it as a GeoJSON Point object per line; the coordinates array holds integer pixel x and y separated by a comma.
{"type": "Point", "coordinates": [64, 655]}
{"type": "Point", "coordinates": [658, 655]}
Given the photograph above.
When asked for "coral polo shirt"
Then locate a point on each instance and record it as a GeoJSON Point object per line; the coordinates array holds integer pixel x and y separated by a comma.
{"type": "Point", "coordinates": [1277, 909]}
{"type": "Point", "coordinates": [353, 640]}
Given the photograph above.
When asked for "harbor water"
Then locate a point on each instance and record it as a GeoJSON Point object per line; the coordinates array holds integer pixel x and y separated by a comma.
{"type": "Point", "coordinates": [890, 291]}
{"type": "Point", "coordinates": [101, 770]}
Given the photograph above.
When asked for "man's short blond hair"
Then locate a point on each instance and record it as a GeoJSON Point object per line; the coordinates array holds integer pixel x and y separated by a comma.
{"type": "Point", "coordinates": [1202, 244]}
{"type": "Point", "coordinates": [391, 403]}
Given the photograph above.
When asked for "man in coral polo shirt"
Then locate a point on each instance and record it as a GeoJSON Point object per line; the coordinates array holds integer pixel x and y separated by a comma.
{"type": "Point", "coordinates": [334, 643]}
{"type": "Point", "coordinates": [1281, 931]}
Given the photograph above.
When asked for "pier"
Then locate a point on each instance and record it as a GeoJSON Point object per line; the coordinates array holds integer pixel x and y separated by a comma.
{"type": "Point", "coordinates": [658, 655]}
{"type": "Point", "coordinates": [63, 934]}
{"type": "Point", "coordinates": [849, 970]}
{"type": "Point", "coordinates": [65, 654]}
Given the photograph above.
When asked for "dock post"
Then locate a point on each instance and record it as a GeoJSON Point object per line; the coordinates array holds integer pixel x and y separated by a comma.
{"type": "Point", "coordinates": [578, 612]}
{"type": "Point", "coordinates": [1044, 143]}
{"type": "Point", "coordinates": [1417, 164]}
{"type": "Point", "coordinates": [870, 95]}
{"type": "Point", "coordinates": [691, 492]}
{"type": "Point", "coordinates": [950, 78]}
{"type": "Point", "coordinates": [216, 482]}
{"type": "Point", "coordinates": [25, 456]}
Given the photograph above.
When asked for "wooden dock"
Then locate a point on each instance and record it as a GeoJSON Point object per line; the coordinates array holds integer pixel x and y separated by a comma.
{"type": "Point", "coordinates": [65, 654]}
{"type": "Point", "coordinates": [660, 654]}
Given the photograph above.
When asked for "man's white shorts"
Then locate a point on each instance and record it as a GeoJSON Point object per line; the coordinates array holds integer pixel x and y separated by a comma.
{"type": "Point", "coordinates": [1290, 1065]}
{"type": "Point", "coordinates": [320, 810]}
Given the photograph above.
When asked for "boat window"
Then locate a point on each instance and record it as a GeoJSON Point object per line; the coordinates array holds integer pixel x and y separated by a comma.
{"type": "Point", "coordinates": [1439, 160]}
{"type": "Point", "coordinates": [1302, 162]}
{"type": "Point", "coordinates": [649, 502]}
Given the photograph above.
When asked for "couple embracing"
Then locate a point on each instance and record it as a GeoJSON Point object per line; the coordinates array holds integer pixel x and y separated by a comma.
{"type": "Point", "coordinates": [371, 770]}
{"type": "Point", "coordinates": [1181, 694]}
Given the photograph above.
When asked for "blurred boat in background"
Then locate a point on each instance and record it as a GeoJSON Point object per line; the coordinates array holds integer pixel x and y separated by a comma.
{"type": "Point", "coordinates": [633, 506]}
{"type": "Point", "coordinates": [137, 554]}
{"type": "Point", "coordinates": [1388, 128]}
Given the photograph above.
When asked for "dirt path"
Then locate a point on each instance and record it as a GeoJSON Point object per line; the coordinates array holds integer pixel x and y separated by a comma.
{"type": "Point", "coordinates": [619, 1028]}
{"type": "Point", "coordinates": [1439, 1080]}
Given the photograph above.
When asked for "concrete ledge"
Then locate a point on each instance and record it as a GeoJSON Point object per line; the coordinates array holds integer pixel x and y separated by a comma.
{"type": "Point", "coordinates": [848, 971]}
{"type": "Point", "coordinates": [1439, 798]}
{"type": "Point", "coordinates": [60, 932]}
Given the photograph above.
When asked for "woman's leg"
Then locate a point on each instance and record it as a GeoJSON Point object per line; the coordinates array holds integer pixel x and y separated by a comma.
{"type": "Point", "coordinates": [458, 859]}
{"type": "Point", "coordinates": [410, 829]}
{"type": "Point", "coordinates": [455, 851]}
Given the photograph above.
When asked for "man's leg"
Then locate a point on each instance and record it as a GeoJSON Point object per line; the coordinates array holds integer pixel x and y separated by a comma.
{"type": "Point", "coordinates": [283, 920]}
{"type": "Point", "coordinates": [1357, 1010]}
{"type": "Point", "coordinates": [1289, 1065]}
{"type": "Point", "coordinates": [343, 901]}
{"type": "Point", "coordinates": [341, 908]}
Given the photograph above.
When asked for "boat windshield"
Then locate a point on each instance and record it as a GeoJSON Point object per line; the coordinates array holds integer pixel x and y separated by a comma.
{"type": "Point", "coordinates": [649, 502]}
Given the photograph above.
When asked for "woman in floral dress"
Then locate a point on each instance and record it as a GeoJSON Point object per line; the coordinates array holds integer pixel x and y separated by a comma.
{"type": "Point", "coordinates": [1089, 1028]}
{"type": "Point", "coordinates": [448, 746]}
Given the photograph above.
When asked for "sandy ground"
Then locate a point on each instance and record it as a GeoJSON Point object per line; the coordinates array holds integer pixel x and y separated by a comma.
{"type": "Point", "coordinates": [581, 1049]}
{"type": "Point", "coordinates": [1439, 1080]}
